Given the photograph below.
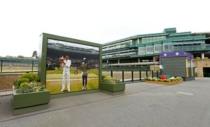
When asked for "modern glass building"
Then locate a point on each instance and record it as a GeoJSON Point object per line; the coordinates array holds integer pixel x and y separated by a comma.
{"type": "Point", "coordinates": [147, 47]}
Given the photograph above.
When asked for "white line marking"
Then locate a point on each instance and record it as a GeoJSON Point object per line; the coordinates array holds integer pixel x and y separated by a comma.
{"type": "Point", "coordinates": [185, 93]}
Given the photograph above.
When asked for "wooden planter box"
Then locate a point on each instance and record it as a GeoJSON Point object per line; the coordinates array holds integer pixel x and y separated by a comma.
{"type": "Point", "coordinates": [25, 100]}
{"type": "Point", "coordinates": [113, 87]}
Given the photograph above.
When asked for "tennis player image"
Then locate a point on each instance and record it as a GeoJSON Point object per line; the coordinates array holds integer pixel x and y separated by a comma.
{"type": "Point", "coordinates": [66, 74]}
{"type": "Point", "coordinates": [84, 68]}
{"type": "Point", "coordinates": [71, 67]}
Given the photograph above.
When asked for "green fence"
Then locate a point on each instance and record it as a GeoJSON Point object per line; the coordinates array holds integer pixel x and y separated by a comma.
{"type": "Point", "coordinates": [130, 73]}
{"type": "Point", "coordinates": [18, 65]}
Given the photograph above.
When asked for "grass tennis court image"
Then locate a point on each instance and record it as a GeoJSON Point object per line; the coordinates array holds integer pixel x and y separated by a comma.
{"type": "Point", "coordinates": [71, 67]}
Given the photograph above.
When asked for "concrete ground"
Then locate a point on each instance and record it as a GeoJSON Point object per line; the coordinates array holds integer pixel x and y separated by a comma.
{"type": "Point", "coordinates": [142, 105]}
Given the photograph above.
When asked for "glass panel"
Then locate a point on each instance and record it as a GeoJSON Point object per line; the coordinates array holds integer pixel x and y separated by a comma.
{"type": "Point", "coordinates": [117, 75]}
{"type": "Point", "coordinates": [136, 75]}
{"type": "Point", "coordinates": [72, 67]}
{"type": "Point", "coordinates": [143, 74]}
{"type": "Point", "coordinates": [149, 49]}
{"type": "Point", "coordinates": [127, 75]}
{"type": "Point", "coordinates": [141, 50]}
{"type": "Point", "coordinates": [152, 39]}
{"type": "Point", "coordinates": [157, 48]}
{"type": "Point", "coordinates": [19, 66]}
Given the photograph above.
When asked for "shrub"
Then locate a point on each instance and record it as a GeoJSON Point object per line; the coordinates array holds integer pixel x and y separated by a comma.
{"type": "Point", "coordinates": [179, 79]}
{"type": "Point", "coordinates": [19, 81]}
{"type": "Point", "coordinates": [107, 78]}
{"type": "Point", "coordinates": [110, 80]}
{"type": "Point", "coordinates": [149, 79]}
{"type": "Point", "coordinates": [154, 79]}
{"type": "Point", "coordinates": [38, 88]}
{"type": "Point", "coordinates": [25, 87]}
{"type": "Point", "coordinates": [31, 76]}
{"type": "Point", "coordinates": [28, 82]}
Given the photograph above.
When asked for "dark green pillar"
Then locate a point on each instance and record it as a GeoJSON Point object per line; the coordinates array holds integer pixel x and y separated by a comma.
{"type": "Point", "coordinates": [111, 73]}
{"type": "Point", "coordinates": [123, 75]}
{"type": "Point", "coordinates": [132, 75]}
{"type": "Point", "coordinates": [147, 74]}
{"type": "Point", "coordinates": [1, 65]}
{"type": "Point", "coordinates": [32, 67]}
{"type": "Point", "coordinates": [140, 75]}
{"type": "Point", "coordinates": [157, 74]}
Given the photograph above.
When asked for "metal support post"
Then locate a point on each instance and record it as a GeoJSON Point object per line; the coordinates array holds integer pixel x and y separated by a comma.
{"type": "Point", "coordinates": [32, 67]}
{"type": "Point", "coordinates": [111, 73]}
{"type": "Point", "coordinates": [123, 75]}
{"type": "Point", "coordinates": [139, 75]}
{"type": "Point", "coordinates": [1, 65]}
{"type": "Point", "coordinates": [132, 75]}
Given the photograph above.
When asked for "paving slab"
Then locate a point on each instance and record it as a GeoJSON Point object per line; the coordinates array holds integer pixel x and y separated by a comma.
{"type": "Point", "coordinates": [142, 105]}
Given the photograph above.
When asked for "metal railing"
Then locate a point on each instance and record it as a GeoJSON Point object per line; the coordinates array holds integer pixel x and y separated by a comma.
{"type": "Point", "coordinates": [130, 76]}
{"type": "Point", "coordinates": [18, 65]}
{"type": "Point", "coordinates": [132, 71]}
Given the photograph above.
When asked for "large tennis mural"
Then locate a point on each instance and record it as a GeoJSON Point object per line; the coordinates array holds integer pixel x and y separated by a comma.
{"type": "Point", "coordinates": [71, 67]}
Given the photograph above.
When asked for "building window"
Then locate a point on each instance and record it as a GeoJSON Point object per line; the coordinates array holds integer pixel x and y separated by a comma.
{"type": "Point", "coordinates": [149, 49]}
{"type": "Point", "coordinates": [157, 48]}
{"type": "Point", "coordinates": [141, 51]}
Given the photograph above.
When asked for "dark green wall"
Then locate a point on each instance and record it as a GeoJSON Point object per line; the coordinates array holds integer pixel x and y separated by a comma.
{"type": "Point", "coordinates": [174, 66]}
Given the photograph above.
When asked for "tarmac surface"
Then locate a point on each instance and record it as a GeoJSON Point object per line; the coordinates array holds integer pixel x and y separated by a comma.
{"type": "Point", "coordinates": [141, 105]}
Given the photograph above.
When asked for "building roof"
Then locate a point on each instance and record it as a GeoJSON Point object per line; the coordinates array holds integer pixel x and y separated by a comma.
{"type": "Point", "coordinates": [201, 33]}
{"type": "Point", "coordinates": [137, 36]}
{"type": "Point", "coordinates": [167, 31]}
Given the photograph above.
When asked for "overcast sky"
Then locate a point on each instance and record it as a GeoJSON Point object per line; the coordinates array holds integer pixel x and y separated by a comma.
{"type": "Point", "coordinates": [22, 21]}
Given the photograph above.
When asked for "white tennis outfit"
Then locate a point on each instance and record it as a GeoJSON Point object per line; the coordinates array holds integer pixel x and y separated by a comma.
{"type": "Point", "coordinates": [66, 75]}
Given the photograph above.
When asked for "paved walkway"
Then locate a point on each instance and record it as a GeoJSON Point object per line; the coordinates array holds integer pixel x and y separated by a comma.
{"type": "Point", "coordinates": [142, 105]}
{"type": "Point", "coordinates": [4, 93]}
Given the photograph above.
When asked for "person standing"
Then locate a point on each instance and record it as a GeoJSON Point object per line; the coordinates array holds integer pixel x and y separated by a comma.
{"type": "Point", "coordinates": [66, 74]}
{"type": "Point", "coordinates": [84, 68]}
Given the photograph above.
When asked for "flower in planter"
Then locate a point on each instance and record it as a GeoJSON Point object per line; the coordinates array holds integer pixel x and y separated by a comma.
{"type": "Point", "coordinates": [25, 87]}
{"type": "Point", "coordinates": [163, 77]}
{"type": "Point", "coordinates": [110, 80]}
{"type": "Point", "coordinates": [179, 79]}
{"type": "Point", "coordinates": [19, 81]}
{"type": "Point", "coordinates": [149, 79]}
{"type": "Point", "coordinates": [28, 82]}
{"type": "Point", "coordinates": [31, 77]}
